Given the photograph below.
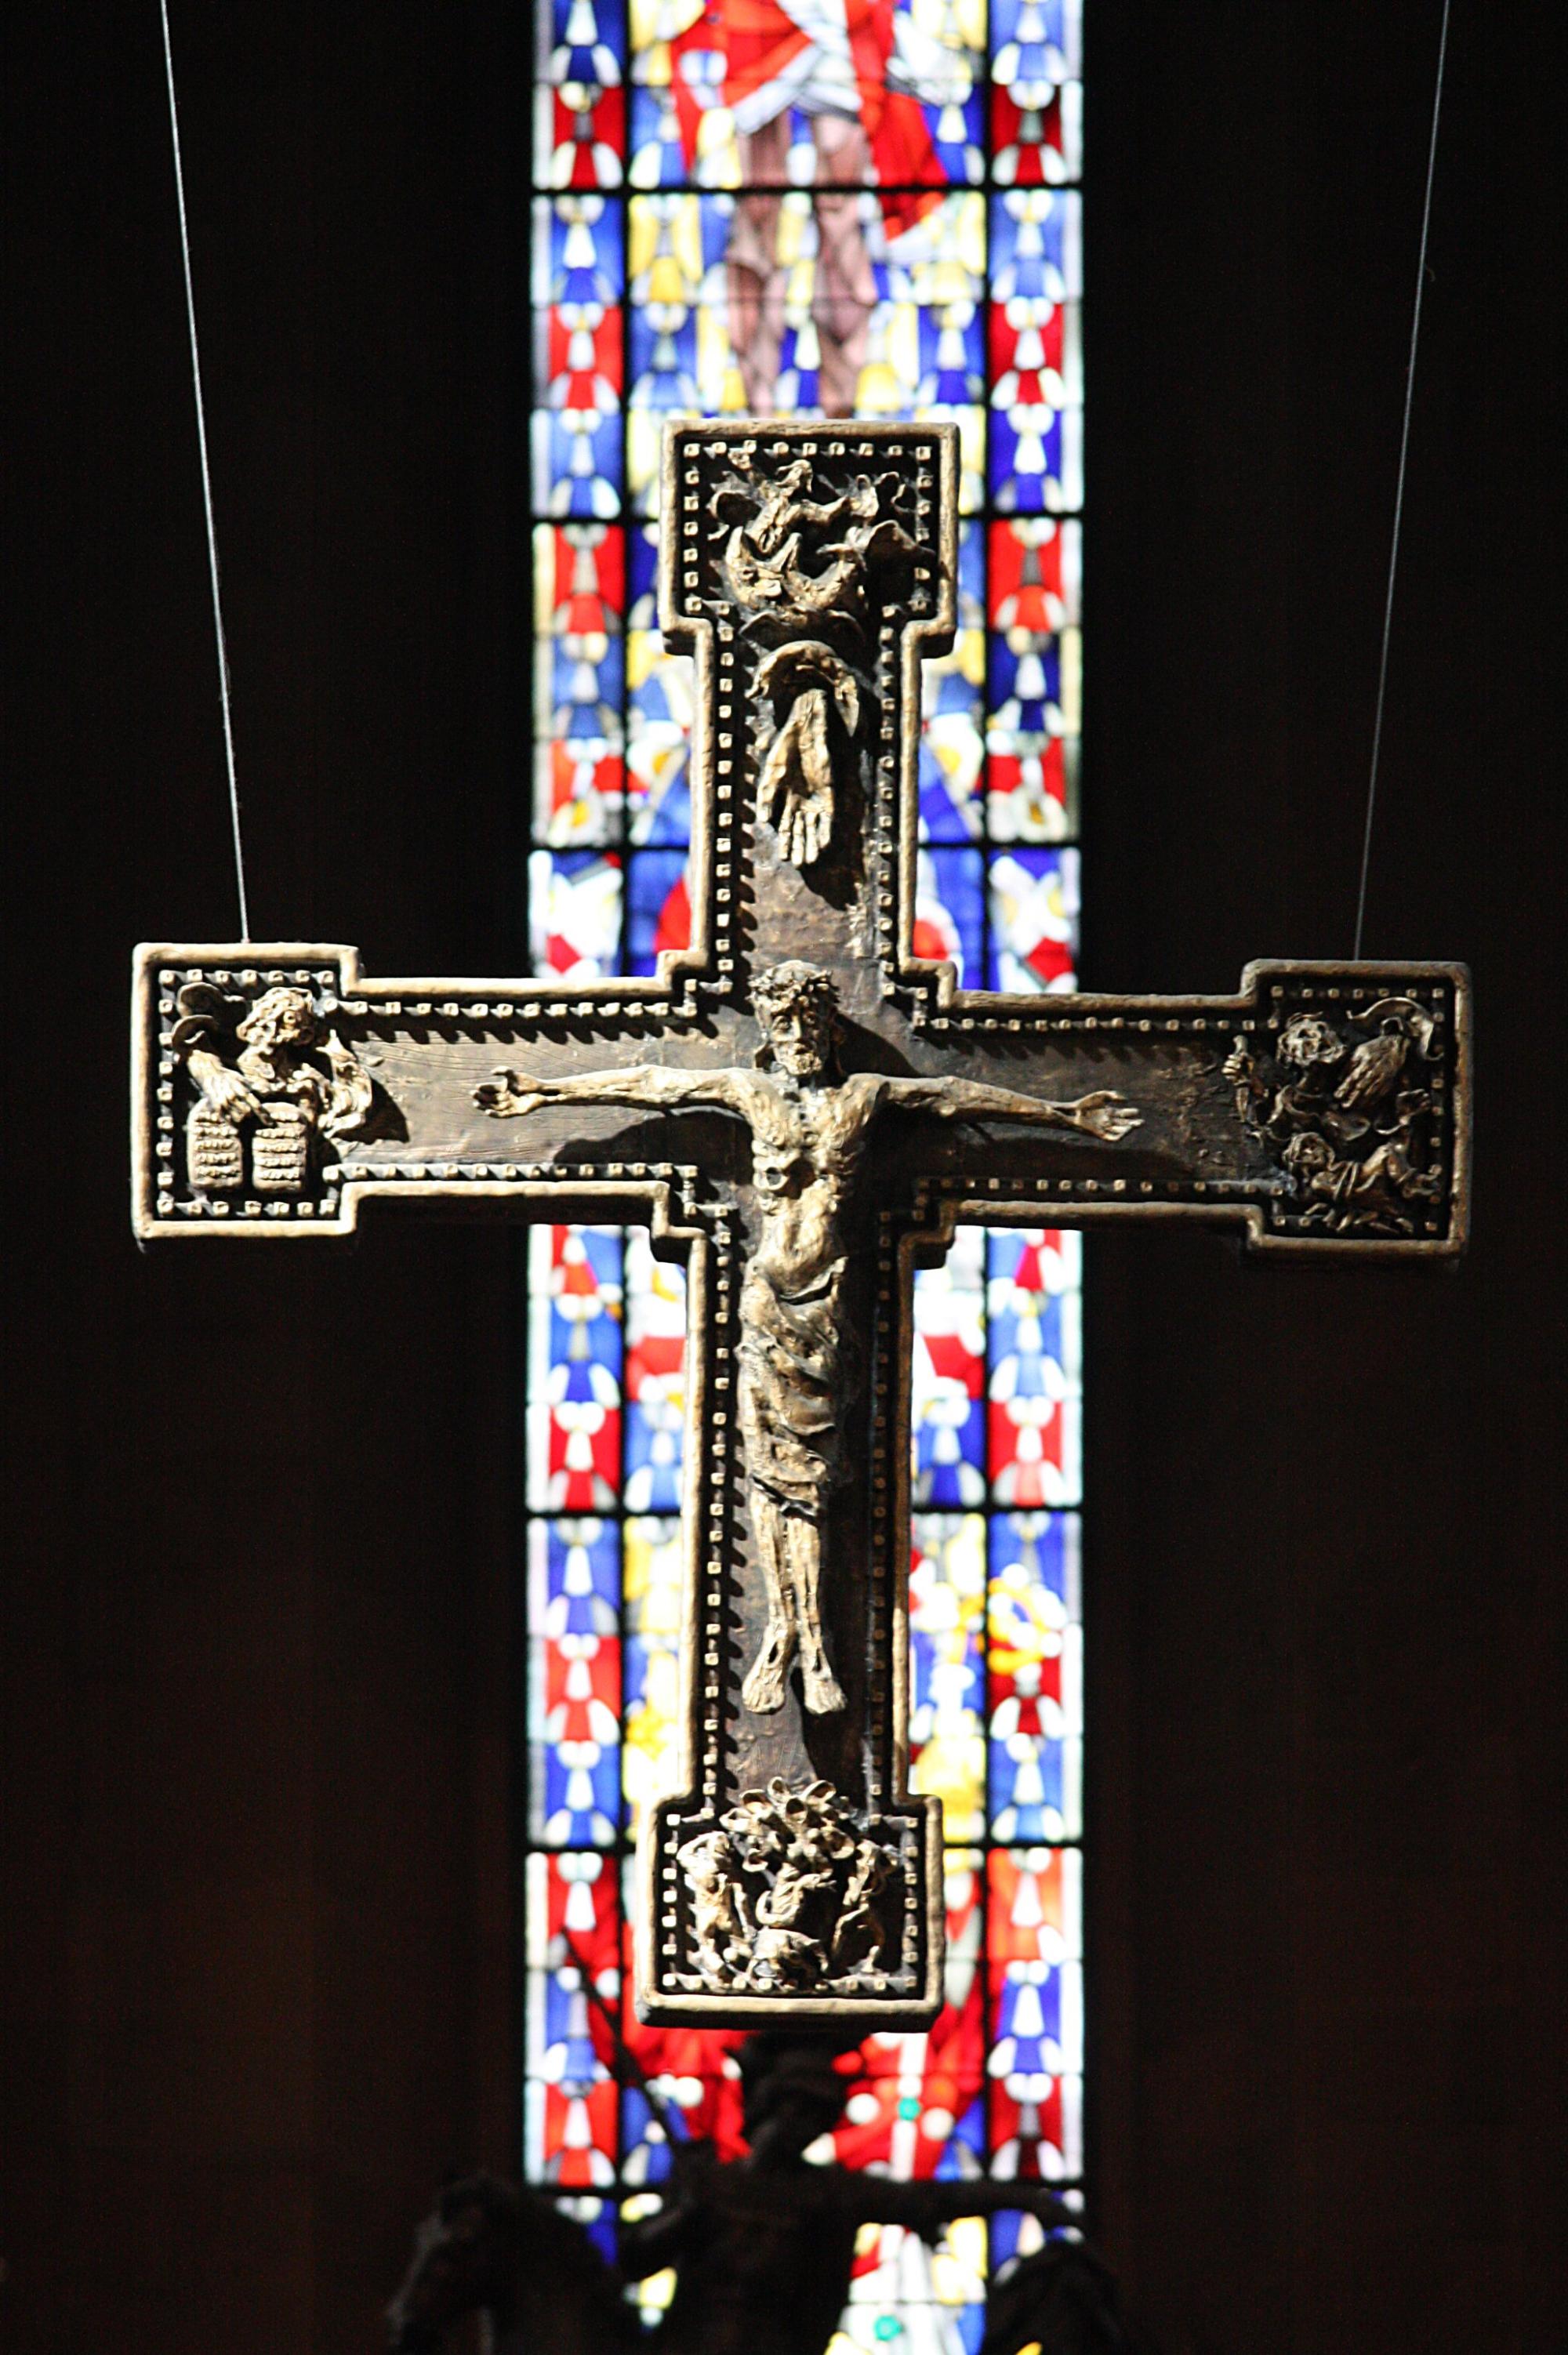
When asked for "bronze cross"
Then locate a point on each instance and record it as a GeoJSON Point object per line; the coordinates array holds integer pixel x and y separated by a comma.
{"type": "Point", "coordinates": [802, 1110]}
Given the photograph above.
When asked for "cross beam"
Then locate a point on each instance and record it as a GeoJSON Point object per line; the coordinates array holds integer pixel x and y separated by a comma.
{"type": "Point", "coordinates": [802, 1110]}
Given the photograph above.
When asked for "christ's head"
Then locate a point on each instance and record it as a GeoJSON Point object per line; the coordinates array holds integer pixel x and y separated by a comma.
{"type": "Point", "coordinates": [798, 1013]}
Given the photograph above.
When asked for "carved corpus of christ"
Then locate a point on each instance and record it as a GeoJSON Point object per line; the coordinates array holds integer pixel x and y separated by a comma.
{"type": "Point", "coordinates": [801, 1110]}
{"type": "Point", "coordinates": [798, 1352]}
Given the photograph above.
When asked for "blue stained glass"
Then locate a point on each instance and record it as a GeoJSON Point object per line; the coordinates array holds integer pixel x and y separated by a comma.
{"type": "Point", "coordinates": [952, 355]}
{"type": "Point", "coordinates": [653, 1458]}
{"type": "Point", "coordinates": [947, 1410]}
{"type": "Point", "coordinates": [585, 258]}
{"type": "Point", "coordinates": [663, 358]}
{"type": "Point", "coordinates": [570, 2059]}
{"type": "Point", "coordinates": [1035, 40]}
{"type": "Point", "coordinates": [973, 316]}
{"type": "Point", "coordinates": [597, 2218]}
{"type": "Point", "coordinates": [1027, 1789]}
{"type": "Point", "coordinates": [969, 2321]}
{"type": "Point", "coordinates": [644, 2142]}
{"type": "Point", "coordinates": [1025, 2029]}
{"type": "Point", "coordinates": [1028, 459]}
{"type": "Point", "coordinates": [642, 576]}
{"type": "Point", "coordinates": [575, 1752]}
{"type": "Point", "coordinates": [1024, 1338]}
{"type": "Point", "coordinates": [583, 41]}
{"type": "Point", "coordinates": [950, 762]}
{"type": "Point", "coordinates": [1014, 2233]}
{"type": "Point", "coordinates": [949, 1444]}
{"type": "Point", "coordinates": [585, 1328]}
{"type": "Point", "coordinates": [1034, 248]}
{"type": "Point", "coordinates": [657, 159]}
{"type": "Point", "coordinates": [1026, 683]}
{"type": "Point", "coordinates": [956, 133]}
{"type": "Point", "coordinates": [1033, 904]}
{"type": "Point", "coordinates": [579, 455]}
{"type": "Point", "coordinates": [585, 684]}
{"type": "Point", "coordinates": [659, 916]}
{"type": "Point", "coordinates": [947, 918]}
{"type": "Point", "coordinates": [662, 816]}
{"type": "Point", "coordinates": [1036, 1552]}
{"type": "Point", "coordinates": [574, 1584]}
{"type": "Point", "coordinates": [971, 583]}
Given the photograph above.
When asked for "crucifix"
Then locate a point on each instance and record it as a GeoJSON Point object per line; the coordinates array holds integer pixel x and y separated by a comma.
{"type": "Point", "coordinates": [802, 1110]}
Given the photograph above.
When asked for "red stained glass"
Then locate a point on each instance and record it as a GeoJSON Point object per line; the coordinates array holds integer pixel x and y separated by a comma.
{"type": "Point", "coordinates": [582, 357]}
{"type": "Point", "coordinates": [970, 311]}
{"type": "Point", "coordinates": [579, 2139]}
{"type": "Point", "coordinates": [1030, 1915]}
{"type": "Point", "coordinates": [1027, 339]}
{"type": "Point", "coordinates": [586, 129]}
{"type": "Point", "coordinates": [1027, 2135]}
{"type": "Point", "coordinates": [581, 1688]}
{"type": "Point", "coordinates": [573, 1917]}
{"type": "Point", "coordinates": [1034, 568]}
{"type": "Point", "coordinates": [1036, 144]}
{"type": "Point", "coordinates": [580, 578]}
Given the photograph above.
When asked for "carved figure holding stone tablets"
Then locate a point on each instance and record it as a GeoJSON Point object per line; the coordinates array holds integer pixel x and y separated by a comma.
{"type": "Point", "coordinates": [810, 1128]}
{"type": "Point", "coordinates": [273, 1095]}
{"type": "Point", "coordinates": [1321, 1112]}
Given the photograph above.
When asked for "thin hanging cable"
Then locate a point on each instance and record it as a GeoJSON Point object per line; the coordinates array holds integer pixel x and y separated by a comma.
{"type": "Point", "coordinates": [206, 489]}
{"type": "Point", "coordinates": [1399, 493]}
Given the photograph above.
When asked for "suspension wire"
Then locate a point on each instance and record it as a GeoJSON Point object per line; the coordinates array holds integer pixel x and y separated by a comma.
{"type": "Point", "coordinates": [1399, 493]}
{"type": "Point", "coordinates": [223, 688]}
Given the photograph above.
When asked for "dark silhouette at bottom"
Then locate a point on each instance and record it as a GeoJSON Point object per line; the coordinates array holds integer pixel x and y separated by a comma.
{"type": "Point", "coordinates": [762, 2246]}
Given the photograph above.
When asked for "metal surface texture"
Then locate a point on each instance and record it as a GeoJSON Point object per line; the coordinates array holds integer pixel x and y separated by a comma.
{"type": "Point", "coordinates": [803, 1111]}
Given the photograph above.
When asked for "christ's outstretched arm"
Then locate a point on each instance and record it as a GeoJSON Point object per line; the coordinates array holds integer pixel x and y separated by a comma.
{"type": "Point", "coordinates": [925, 2208]}
{"type": "Point", "coordinates": [1103, 1114]}
{"type": "Point", "coordinates": [511, 1094]}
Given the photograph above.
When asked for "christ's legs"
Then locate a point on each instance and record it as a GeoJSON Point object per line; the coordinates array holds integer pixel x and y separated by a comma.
{"type": "Point", "coordinates": [763, 1689]}
{"type": "Point", "coordinates": [756, 282]}
{"type": "Point", "coordinates": [846, 289]}
{"type": "Point", "coordinates": [802, 1571]}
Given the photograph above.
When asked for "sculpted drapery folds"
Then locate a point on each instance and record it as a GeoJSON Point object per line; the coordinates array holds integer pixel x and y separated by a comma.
{"type": "Point", "coordinates": [810, 1128]}
{"type": "Point", "coordinates": [1322, 1110]}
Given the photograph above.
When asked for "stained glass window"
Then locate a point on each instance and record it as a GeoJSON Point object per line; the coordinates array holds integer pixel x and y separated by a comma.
{"type": "Point", "coordinates": [809, 208]}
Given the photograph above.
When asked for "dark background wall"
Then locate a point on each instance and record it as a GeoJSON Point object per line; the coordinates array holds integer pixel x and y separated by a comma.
{"type": "Point", "coordinates": [256, 1911]}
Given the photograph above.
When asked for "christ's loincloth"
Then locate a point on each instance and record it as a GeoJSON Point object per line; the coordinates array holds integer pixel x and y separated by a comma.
{"type": "Point", "coordinates": [796, 1368]}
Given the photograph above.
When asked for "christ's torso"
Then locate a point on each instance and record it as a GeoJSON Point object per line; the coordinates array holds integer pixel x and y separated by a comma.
{"type": "Point", "coordinates": [807, 1144]}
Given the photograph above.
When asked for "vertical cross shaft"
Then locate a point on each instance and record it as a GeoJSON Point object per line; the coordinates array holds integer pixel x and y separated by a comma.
{"type": "Point", "coordinates": [801, 1108]}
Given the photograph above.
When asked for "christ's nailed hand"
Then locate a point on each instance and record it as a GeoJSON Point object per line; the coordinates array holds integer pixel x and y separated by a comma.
{"type": "Point", "coordinates": [511, 1094]}
{"type": "Point", "coordinates": [1105, 1114]}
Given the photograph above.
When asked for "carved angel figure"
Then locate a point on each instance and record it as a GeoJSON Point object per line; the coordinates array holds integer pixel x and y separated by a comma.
{"type": "Point", "coordinates": [272, 1097]}
{"type": "Point", "coordinates": [1349, 1134]}
{"type": "Point", "coordinates": [778, 530]}
{"type": "Point", "coordinates": [810, 1129]}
